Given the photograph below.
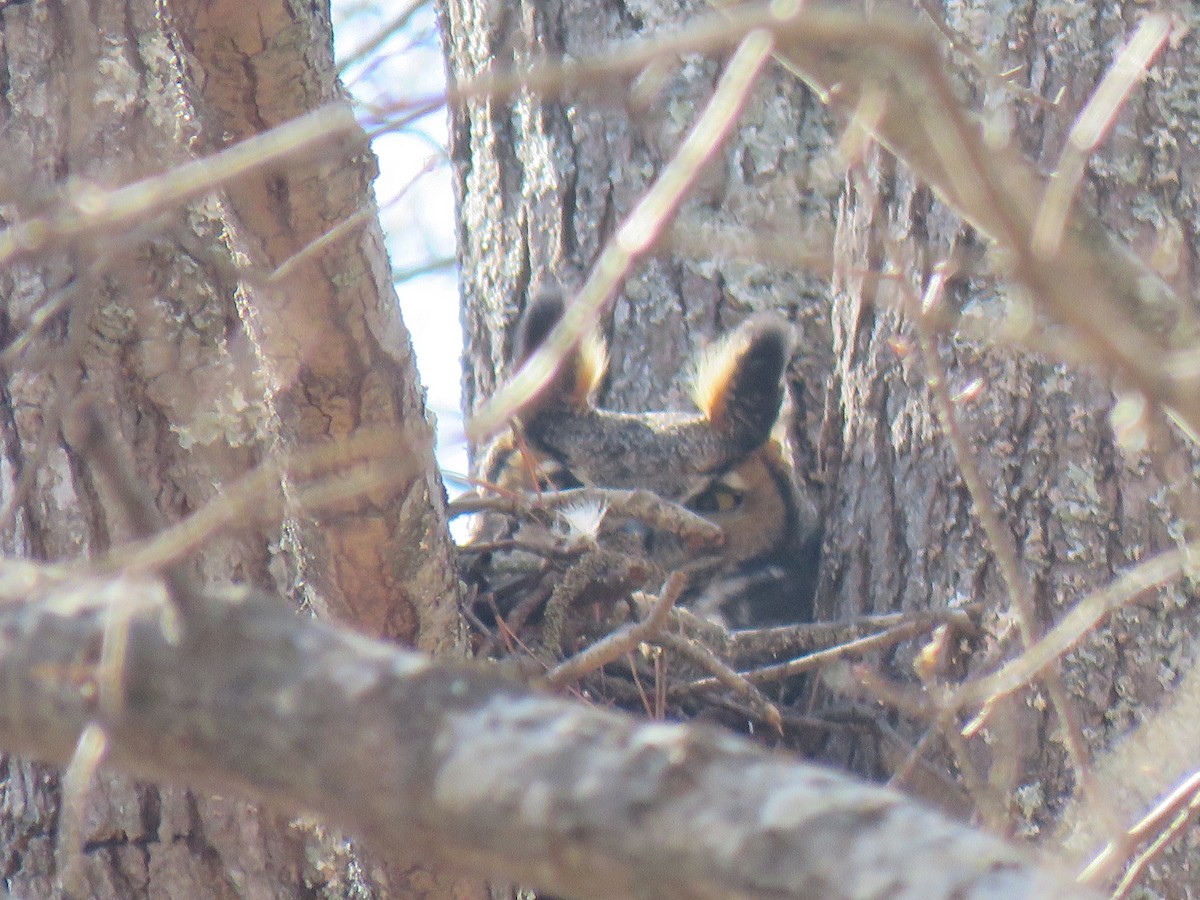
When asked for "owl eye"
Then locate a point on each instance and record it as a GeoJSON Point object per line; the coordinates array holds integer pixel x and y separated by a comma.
{"type": "Point", "coordinates": [561, 479]}
{"type": "Point", "coordinates": [716, 498]}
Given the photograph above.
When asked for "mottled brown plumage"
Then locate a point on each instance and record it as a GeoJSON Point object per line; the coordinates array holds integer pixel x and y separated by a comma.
{"type": "Point", "coordinates": [721, 462]}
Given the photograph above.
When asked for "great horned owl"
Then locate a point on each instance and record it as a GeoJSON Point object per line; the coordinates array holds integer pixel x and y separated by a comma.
{"type": "Point", "coordinates": [722, 462]}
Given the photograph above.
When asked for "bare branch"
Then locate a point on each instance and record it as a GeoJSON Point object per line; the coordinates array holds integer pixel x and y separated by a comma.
{"type": "Point", "coordinates": [99, 211]}
{"type": "Point", "coordinates": [622, 641]}
{"type": "Point", "coordinates": [638, 232]}
{"type": "Point", "coordinates": [450, 761]}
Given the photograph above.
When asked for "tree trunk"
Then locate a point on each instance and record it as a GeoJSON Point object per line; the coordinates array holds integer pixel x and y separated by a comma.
{"type": "Point", "coordinates": [546, 177]}
{"type": "Point", "coordinates": [1078, 504]}
{"type": "Point", "coordinates": [205, 360]}
{"type": "Point", "coordinates": [543, 181]}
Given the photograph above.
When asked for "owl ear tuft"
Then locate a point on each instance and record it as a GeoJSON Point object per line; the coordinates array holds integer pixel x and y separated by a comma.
{"type": "Point", "coordinates": [577, 378]}
{"type": "Point", "coordinates": [738, 383]}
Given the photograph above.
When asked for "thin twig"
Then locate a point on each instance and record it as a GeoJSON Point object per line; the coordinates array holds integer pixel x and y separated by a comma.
{"type": "Point", "coordinates": [77, 781]}
{"type": "Point", "coordinates": [381, 36]}
{"type": "Point", "coordinates": [623, 640]}
{"type": "Point", "coordinates": [357, 465]}
{"type": "Point", "coordinates": [722, 676]}
{"type": "Point", "coordinates": [1077, 624]}
{"type": "Point", "coordinates": [637, 233]}
{"type": "Point", "coordinates": [1179, 803]}
{"type": "Point", "coordinates": [353, 222]}
{"type": "Point", "coordinates": [640, 505]}
{"type": "Point", "coordinates": [1174, 830]}
{"type": "Point", "coordinates": [923, 707]}
{"type": "Point", "coordinates": [94, 441]}
{"type": "Point", "coordinates": [93, 211]}
{"type": "Point", "coordinates": [968, 53]}
{"type": "Point", "coordinates": [1000, 538]}
{"type": "Point", "coordinates": [789, 639]}
{"type": "Point", "coordinates": [507, 545]}
{"type": "Point", "coordinates": [811, 661]}
{"type": "Point", "coordinates": [1092, 127]}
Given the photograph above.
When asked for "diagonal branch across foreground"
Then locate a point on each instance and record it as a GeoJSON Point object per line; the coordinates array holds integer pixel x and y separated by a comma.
{"type": "Point", "coordinates": [450, 760]}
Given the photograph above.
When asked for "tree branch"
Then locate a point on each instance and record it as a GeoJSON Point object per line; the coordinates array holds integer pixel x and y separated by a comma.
{"type": "Point", "coordinates": [451, 761]}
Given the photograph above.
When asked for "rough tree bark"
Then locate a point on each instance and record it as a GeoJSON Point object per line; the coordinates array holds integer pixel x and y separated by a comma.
{"type": "Point", "coordinates": [545, 178]}
{"type": "Point", "coordinates": [206, 359]}
{"type": "Point", "coordinates": [1079, 504]}
{"type": "Point", "coordinates": [543, 181]}
{"type": "Point", "coordinates": [174, 325]}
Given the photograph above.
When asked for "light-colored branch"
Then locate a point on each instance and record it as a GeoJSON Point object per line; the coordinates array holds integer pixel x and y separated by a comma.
{"type": "Point", "coordinates": [623, 640]}
{"type": "Point", "coordinates": [637, 234]}
{"type": "Point", "coordinates": [1122, 314]}
{"type": "Point", "coordinates": [452, 762]}
{"type": "Point", "coordinates": [96, 211]}
{"type": "Point", "coordinates": [1081, 621]}
{"type": "Point", "coordinates": [638, 504]}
